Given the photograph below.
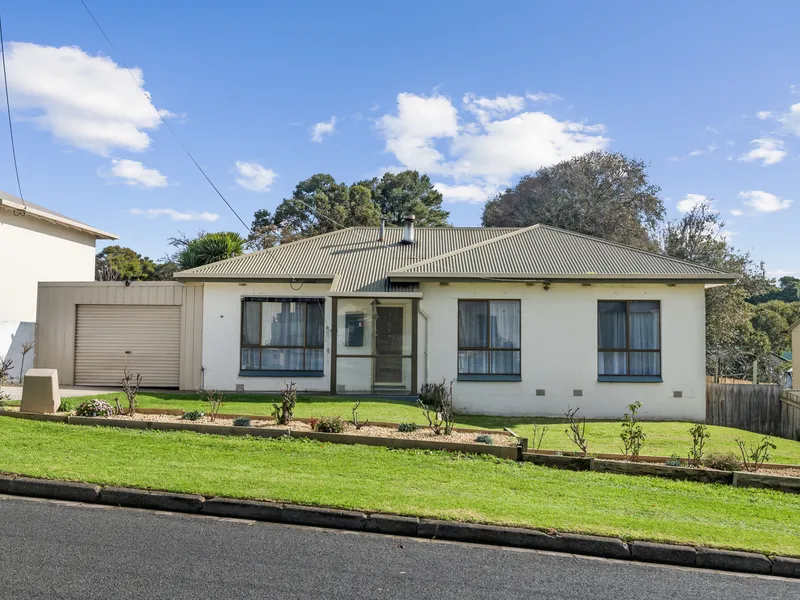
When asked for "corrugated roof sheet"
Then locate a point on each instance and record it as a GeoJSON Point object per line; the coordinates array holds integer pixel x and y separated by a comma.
{"type": "Point", "coordinates": [358, 262]}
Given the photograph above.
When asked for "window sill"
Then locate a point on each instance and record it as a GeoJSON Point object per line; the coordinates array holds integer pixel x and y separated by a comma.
{"type": "Point", "coordinates": [630, 378]}
{"type": "Point", "coordinates": [244, 373]}
{"type": "Point", "coordinates": [490, 378]}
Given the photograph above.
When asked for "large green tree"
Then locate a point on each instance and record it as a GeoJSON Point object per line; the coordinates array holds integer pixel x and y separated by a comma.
{"type": "Point", "coordinates": [787, 290]}
{"type": "Point", "coordinates": [118, 263]}
{"type": "Point", "coordinates": [607, 195]}
{"type": "Point", "coordinates": [206, 248]}
{"type": "Point", "coordinates": [399, 194]}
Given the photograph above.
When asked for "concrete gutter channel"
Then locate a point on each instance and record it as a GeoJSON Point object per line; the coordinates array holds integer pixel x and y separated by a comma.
{"type": "Point", "coordinates": [515, 537]}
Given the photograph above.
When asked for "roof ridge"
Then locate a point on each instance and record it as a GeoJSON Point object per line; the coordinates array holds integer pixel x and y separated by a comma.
{"type": "Point", "coordinates": [468, 248]}
{"type": "Point", "coordinates": [632, 248]}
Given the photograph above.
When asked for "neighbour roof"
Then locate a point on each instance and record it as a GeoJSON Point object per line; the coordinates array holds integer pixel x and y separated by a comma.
{"type": "Point", "coordinates": [11, 202]}
{"type": "Point", "coordinates": [355, 261]}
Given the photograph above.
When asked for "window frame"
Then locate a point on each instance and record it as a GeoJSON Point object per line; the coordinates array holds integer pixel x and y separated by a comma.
{"type": "Point", "coordinates": [628, 376]}
{"type": "Point", "coordinates": [488, 376]}
{"type": "Point", "coordinates": [243, 372]}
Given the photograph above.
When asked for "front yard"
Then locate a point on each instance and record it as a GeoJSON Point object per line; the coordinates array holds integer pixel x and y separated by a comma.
{"type": "Point", "coordinates": [663, 438]}
{"type": "Point", "coordinates": [432, 484]}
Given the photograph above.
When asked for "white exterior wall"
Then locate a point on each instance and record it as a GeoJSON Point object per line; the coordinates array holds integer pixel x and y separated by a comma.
{"type": "Point", "coordinates": [559, 351]}
{"type": "Point", "coordinates": [35, 250]}
{"type": "Point", "coordinates": [222, 322]}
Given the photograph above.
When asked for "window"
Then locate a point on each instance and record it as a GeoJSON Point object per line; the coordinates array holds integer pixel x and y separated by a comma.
{"type": "Point", "coordinates": [629, 340]}
{"type": "Point", "coordinates": [489, 339]}
{"type": "Point", "coordinates": [282, 335]}
{"type": "Point", "coordinates": [354, 329]}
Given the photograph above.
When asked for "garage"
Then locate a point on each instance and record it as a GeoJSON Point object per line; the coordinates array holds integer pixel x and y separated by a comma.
{"type": "Point", "coordinates": [145, 339]}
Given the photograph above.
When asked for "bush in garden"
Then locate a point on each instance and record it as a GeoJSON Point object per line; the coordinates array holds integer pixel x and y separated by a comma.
{"type": "Point", "coordinates": [131, 382]}
{"type": "Point", "coordinates": [241, 422]}
{"type": "Point", "coordinates": [65, 405]}
{"type": "Point", "coordinates": [673, 461]}
{"type": "Point", "coordinates": [632, 435]}
{"type": "Point", "coordinates": [215, 400]}
{"type": "Point", "coordinates": [330, 425]}
{"type": "Point", "coordinates": [576, 429]}
{"type": "Point", "coordinates": [284, 411]}
{"type": "Point", "coordinates": [94, 408]}
{"type": "Point", "coordinates": [436, 402]}
{"type": "Point", "coordinates": [407, 427]}
{"type": "Point", "coordinates": [755, 455]}
{"type": "Point", "coordinates": [699, 435]}
{"type": "Point", "coordinates": [193, 415]}
{"type": "Point", "coordinates": [5, 369]}
{"type": "Point", "coordinates": [722, 461]}
{"type": "Point", "coordinates": [539, 431]}
{"type": "Point", "coordinates": [484, 438]}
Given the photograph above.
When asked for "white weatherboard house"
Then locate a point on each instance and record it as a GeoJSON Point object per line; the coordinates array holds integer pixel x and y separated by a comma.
{"type": "Point", "coordinates": [525, 321]}
{"type": "Point", "coordinates": [36, 244]}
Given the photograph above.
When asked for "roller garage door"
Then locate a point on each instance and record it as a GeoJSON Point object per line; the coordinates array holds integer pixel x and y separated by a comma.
{"type": "Point", "coordinates": [112, 337]}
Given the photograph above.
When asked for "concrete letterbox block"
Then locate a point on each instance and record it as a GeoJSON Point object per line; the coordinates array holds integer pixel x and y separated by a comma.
{"type": "Point", "coordinates": [40, 392]}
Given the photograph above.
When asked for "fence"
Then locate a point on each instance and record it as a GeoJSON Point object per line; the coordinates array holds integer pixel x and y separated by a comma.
{"type": "Point", "coordinates": [752, 407]}
{"type": "Point", "coordinates": [710, 379]}
{"type": "Point", "coordinates": [790, 414]}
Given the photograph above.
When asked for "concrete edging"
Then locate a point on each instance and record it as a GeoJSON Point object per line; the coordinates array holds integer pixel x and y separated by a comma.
{"type": "Point", "coordinates": [517, 537]}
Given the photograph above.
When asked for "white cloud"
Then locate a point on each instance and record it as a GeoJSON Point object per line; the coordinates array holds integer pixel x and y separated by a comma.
{"type": "Point", "coordinates": [763, 115]}
{"type": "Point", "coordinates": [85, 101]}
{"type": "Point", "coordinates": [542, 97]}
{"type": "Point", "coordinates": [134, 173]}
{"type": "Point", "coordinates": [484, 146]}
{"type": "Point", "coordinates": [764, 202]}
{"type": "Point", "coordinates": [737, 212]}
{"type": "Point", "coordinates": [778, 273]}
{"type": "Point", "coordinates": [254, 177]}
{"type": "Point", "coordinates": [323, 128]}
{"type": "Point", "coordinates": [699, 152]}
{"type": "Point", "coordinates": [791, 119]}
{"type": "Point", "coordinates": [768, 150]}
{"type": "Point", "coordinates": [690, 202]}
{"type": "Point", "coordinates": [470, 193]}
{"type": "Point", "coordinates": [175, 215]}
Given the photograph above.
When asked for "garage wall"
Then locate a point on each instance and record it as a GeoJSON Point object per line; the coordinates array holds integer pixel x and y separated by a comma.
{"type": "Point", "coordinates": [56, 312]}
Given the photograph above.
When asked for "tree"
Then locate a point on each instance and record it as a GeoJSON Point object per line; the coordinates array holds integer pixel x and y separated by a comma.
{"type": "Point", "coordinates": [607, 195]}
{"type": "Point", "coordinates": [399, 194]}
{"type": "Point", "coordinates": [206, 248]}
{"type": "Point", "coordinates": [118, 263]}
{"type": "Point", "coordinates": [788, 290]}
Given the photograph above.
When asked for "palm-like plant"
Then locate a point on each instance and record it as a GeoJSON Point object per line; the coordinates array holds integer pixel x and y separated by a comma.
{"type": "Point", "coordinates": [208, 248]}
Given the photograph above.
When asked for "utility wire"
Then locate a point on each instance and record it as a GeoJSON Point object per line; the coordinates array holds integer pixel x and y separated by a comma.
{"type": "Point", "coordinates": [8, 106]}
{"type": "Point", "coordinates": [172, 131]}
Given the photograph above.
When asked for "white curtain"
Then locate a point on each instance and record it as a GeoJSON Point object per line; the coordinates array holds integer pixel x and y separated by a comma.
{"type": "Point", "coordinates": [644, 323]}
{"type": "Point", "coordinates": [282, 323]}
{"type": "Point", "coordinates": [611, 333]}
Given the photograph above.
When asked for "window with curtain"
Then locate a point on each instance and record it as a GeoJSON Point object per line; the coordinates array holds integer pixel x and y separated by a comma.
{"type": "Point", "coordinates": [629, 338]}
{"type": "Point", "coordinates": [489, 338]}
{"type": "Point", "coordinates": [283, 335]}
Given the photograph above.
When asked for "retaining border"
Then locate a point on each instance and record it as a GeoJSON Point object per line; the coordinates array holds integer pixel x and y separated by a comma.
{"type": "Point", "coordinates": [332, 518]}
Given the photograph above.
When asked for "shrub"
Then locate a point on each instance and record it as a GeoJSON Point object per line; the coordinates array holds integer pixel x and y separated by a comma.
{"type": "Point", "coordinates": [5, 369]}
{"type": "Point", "coordinates": [94, 408]}
{"type": "Point", "coordinates": [357, 422]}
{"type": "Point", "coordinates": [284, 411]}
{"type": "Point", "coordinates": [632, 435]}
{"type": "Point", "coordinates": [130, 385]}
{"type": "Point", "coordinates": [65, 405]}
{"type": "Point", "coordinates": [722, 461]}
{"type": "Point", "coordinates": [539, 431]}
{"type": "Point", "coordinates": [330, 425]}
{"type": "Point", "coordinates": [755, 455]}
{"type": "Point", "coordinates": [193, 415]}
{"type": "Point", "coordinates": [576, 430]}
{"type": "Point", "coordinates": [407, 427]}
{"type": "Point", "coordinates": [215, 399]}
{"type": "Point", "coordinates": [673, 461]}
{"type": "Point", "coordinates": [241, 422]}
{"type": "Point", "coordinates": [484, 438]}
{"type": "Point", "coordinates": [699, 435]}
{"type": "Point", "coordinates": [436, 402]}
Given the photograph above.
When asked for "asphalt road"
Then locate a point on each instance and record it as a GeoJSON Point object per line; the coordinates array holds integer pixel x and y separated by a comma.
{"type": "Point", "coordinates": [61, 550]}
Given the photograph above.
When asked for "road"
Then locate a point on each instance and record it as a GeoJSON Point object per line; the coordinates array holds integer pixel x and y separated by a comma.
{"type": "Point", "coordinates": [62, 550]}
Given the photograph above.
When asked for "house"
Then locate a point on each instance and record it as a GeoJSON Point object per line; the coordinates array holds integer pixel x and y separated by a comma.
{"type": "Point", "coordinates": [36, 244]}
{"type": "Point", "coordinates": [525, 321]}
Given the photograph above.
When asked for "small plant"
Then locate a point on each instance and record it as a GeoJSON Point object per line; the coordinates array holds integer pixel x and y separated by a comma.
{"type": "Point", "coordinates": [756, 454]}
{"type": "Point", "coordinates": [576, 430]}
{"type": "Point", "coordinates": [284, 411]}
{"type": "Point", "coordinates": [722, 461]}
{"type": "Point", "coordinates": [215, 400]}
{"type": "Point", "coordinates": [330, 425]}
{"type": "Point", "coordinates": [65, 405]}
{"type": "Point", "coordinates": [484, 438]}
{"type": "Point", "coordinates": [699, 435]}
{"type": "Point", "coordinates": [407, 427]}
{"type": "Point", "coordinates": [358, 424]}
{"type": "Point", "coordinates": [130, 385]}
{"type": "Point", "coordinates": [312, 422]}
{"type": "Point", "coordinates": [26, 347]}
{"type": "Point", "coordinates": [241, 422]}
{"type": "Point", "coordinates": [539, 431]}
{"type": "Point", "coordinates": [5, 369]}
{"type": "Point", "coordinates": [673, 461]}
{"type": "Point", "coordinates": [632, 435]}
{"type": "Point", "coordinates": [193, 415]}
{"type": "Point", "coordinates": [94, 408]}
{"type": "Point", "coordinates": [436, 402]}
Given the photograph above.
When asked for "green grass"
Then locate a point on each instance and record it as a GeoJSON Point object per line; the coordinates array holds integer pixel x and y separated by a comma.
{"type": "Point", "coordinates": [663, 438]}
{"type": "Point", "coordinates": [431, 484]}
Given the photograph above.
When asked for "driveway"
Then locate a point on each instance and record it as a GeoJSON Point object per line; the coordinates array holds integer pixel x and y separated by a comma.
{"type": "Point", "coordinates": [63, 550]}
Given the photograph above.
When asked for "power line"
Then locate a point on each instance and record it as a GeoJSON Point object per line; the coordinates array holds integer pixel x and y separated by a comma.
{"type": "Point", "coordinates": [8, 106]}
{"type": "Point", "coordinates": [172, 131]}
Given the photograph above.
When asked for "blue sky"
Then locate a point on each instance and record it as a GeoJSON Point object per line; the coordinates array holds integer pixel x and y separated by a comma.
{"type": "Point", "coordinates": [475, 94]}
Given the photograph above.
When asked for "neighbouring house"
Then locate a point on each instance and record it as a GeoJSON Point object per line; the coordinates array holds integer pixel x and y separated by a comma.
{"type": "Point", "coordinates": [36, 244]}
{"type": "Point", "coordinates": [524, 321]}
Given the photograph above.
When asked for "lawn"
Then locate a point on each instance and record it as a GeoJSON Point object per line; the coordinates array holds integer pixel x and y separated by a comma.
{"type": "Point", "coordinates": [663, 438]}
{"type": "Point", "coordinates": [431, 484]}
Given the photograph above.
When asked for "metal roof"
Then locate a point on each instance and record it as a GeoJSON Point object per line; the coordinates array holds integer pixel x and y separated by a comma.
{"type": "Point", "coordinates": [11, 202]}
{"type": "Point", "coordinates": [353, 259]}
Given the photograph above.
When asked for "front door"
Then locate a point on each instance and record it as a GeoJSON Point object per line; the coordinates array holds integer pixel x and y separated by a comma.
{"type": "Point", "coordinates": [389, 345]}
